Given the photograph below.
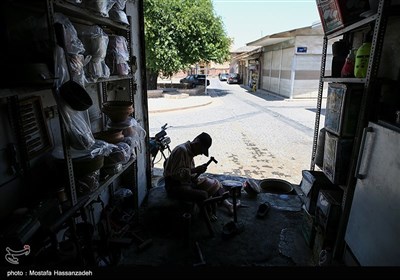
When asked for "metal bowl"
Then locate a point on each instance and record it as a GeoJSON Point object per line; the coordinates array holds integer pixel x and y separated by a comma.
{"type": "Point", "coordinates": [113, 136]}
{"type": "Point", "coordinates": [117, 111]}
{"type": "Point", "coordinates": [277, 186]}
{"type": "Point", "coordinates": [82, 166]}
{"type": "Point", "coordinates": [76, 96]}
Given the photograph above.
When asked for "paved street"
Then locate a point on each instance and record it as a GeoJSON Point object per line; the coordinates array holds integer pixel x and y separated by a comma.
{"type": "Point", "coordinates": [257, 135]}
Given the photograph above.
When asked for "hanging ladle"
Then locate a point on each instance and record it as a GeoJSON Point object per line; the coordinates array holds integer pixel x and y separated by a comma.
{"type": "Point", "coordinates": [72, 92]}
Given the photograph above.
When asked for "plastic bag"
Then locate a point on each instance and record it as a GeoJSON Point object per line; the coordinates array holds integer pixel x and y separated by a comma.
{"type": "Point", "coordinates": [96, 43]}
{"type": "Point", "coordinates": [73, 44]}
{"type": "Point", "coordinates": [118, 55]}
{"type": "Point", "coordinates": [77, 127]}
{"type": "Point", "coordinates": [118, 15]}
{"type": "Point", "coordinates": [100, 6]}
{"type": "Point", "coordinates": [75, 50]}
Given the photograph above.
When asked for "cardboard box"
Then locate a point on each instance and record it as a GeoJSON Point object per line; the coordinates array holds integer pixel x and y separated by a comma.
{"type": "Point", "coordinates": [337, 152]}
{"type": "Point", "coordinates": [328, 212]}
{"type": "Point", "coordinates": [330, 14]}
{"type": "Point", "coordinates": [336, 14]}
{"type": "Point", "coordinates": [311, 183]}
{"type": "Point", "coordinates": [342, 108]}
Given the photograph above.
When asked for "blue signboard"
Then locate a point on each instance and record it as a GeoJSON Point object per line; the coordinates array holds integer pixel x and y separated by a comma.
{"type": "Point", "coordinates": [301, 49]}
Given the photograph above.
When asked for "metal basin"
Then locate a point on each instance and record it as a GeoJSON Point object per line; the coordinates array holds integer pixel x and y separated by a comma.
{"type": "Point", "coordinates": [277, 186]}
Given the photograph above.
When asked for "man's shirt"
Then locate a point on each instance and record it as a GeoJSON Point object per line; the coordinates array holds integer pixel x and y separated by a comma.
{"type": "Point", "coordinates": [179, 163]}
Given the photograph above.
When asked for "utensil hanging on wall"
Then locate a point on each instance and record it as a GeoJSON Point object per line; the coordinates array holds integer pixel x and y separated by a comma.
{"type": "Point", "coordinates": [72, 92]}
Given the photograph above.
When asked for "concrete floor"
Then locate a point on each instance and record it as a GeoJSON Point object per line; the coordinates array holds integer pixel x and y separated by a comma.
{"type": "Point", "coordinates": [273, 241]}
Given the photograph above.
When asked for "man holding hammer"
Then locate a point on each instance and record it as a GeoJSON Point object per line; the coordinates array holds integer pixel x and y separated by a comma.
{"type": "Point", "coordinates": [182, 176]}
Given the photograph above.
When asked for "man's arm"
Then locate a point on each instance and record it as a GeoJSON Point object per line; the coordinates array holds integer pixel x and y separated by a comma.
{"type": "Point", "coordinates": [179, 165]}
{"type": "Point", "coordinates": [199, 169]}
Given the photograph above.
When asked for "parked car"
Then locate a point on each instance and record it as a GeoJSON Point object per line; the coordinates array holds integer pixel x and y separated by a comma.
{"type": "Point", "coordinates": [195, 80]}
{"type": "Point", "coordinates": [223, 76]}
{"type": "Point", "coordinates": [234, 78]}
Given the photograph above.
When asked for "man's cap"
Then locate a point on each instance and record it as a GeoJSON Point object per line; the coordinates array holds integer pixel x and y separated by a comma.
{"type": "Point", "coordinates": [206, 141]}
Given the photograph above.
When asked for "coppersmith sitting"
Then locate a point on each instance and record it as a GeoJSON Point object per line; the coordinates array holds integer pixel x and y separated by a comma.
{"type": "Point", "coordinates": [182, 179]}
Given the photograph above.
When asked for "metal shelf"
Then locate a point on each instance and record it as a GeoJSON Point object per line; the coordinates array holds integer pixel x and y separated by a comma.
{"type": "Point", "coordinates": [344, 80]}
{"type": "Point", "coordinates": [78, 12]}
{"type": "Point", "coordinates": [38, 89]}
{"type": "Point", "coordinates": [60, 220]}
{"type": "Point", "coordinates": [85, 200]}
{"type": "Point", "coordinates": [106, 183]}
{"type": "Point", "coordinates": [112, 79]}
{"type": "Point", "coordinates": [353, 26]}
{"type": "Point", "coordinates": [378, 30]}
{"type": "Point", "coordinates": [25, 91]}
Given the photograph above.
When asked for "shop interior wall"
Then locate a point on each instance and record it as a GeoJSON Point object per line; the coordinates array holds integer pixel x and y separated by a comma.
{"type": "Point", "coordinates": [389, 73]}
{"type": "Point", "coordinates": [390, 62]}
{"type": "Point", "coordinates": [11, 189]}
{"type": "Point", "coordinates": [42, 180]}
{"type": "Point", "coordinates": [140, 99]}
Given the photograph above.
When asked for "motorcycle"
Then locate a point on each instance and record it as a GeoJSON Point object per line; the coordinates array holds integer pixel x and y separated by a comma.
{"type": "Point", "coordinates": [160, 143]}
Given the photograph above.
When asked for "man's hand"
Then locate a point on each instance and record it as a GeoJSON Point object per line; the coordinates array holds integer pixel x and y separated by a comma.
{"type": "Point", "coordinates": [200, 169]}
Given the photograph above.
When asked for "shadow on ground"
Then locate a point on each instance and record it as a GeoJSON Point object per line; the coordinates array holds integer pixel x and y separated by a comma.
{"type": "Point", "coordinates": [264, 95]}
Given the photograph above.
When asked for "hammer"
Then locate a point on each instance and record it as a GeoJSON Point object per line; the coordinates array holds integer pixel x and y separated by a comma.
{"type": "Point", "coordinates": [212, 159]}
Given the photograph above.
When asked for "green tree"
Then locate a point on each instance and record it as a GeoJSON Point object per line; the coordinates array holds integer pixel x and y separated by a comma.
{"type": "Point", "coordinates": [179, 33]}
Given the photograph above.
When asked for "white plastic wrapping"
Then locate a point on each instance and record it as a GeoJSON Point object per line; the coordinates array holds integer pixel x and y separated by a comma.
{"type": "Point", "coordinates": [75, 50]}
{"type": "Point", "coordinates": [76, 122]}
{"type": "Point", "coordinates": [101, 7]}
{"type": "Point", "coordinates": [120, 4]}
{"type": "Point", "coordinates": [132, 130]}
{"type": "Point", "coordinates": [77, 126]}
{"type": "Point", "coordinates": [118, 55]}
{"type": "Point", "coordinates": [96, 42]}
{"type": "Point", "coordinates": [118, 15]}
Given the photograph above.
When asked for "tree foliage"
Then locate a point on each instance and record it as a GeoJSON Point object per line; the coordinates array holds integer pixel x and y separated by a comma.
{"type": "Point", "coordinates": [179, 33]}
